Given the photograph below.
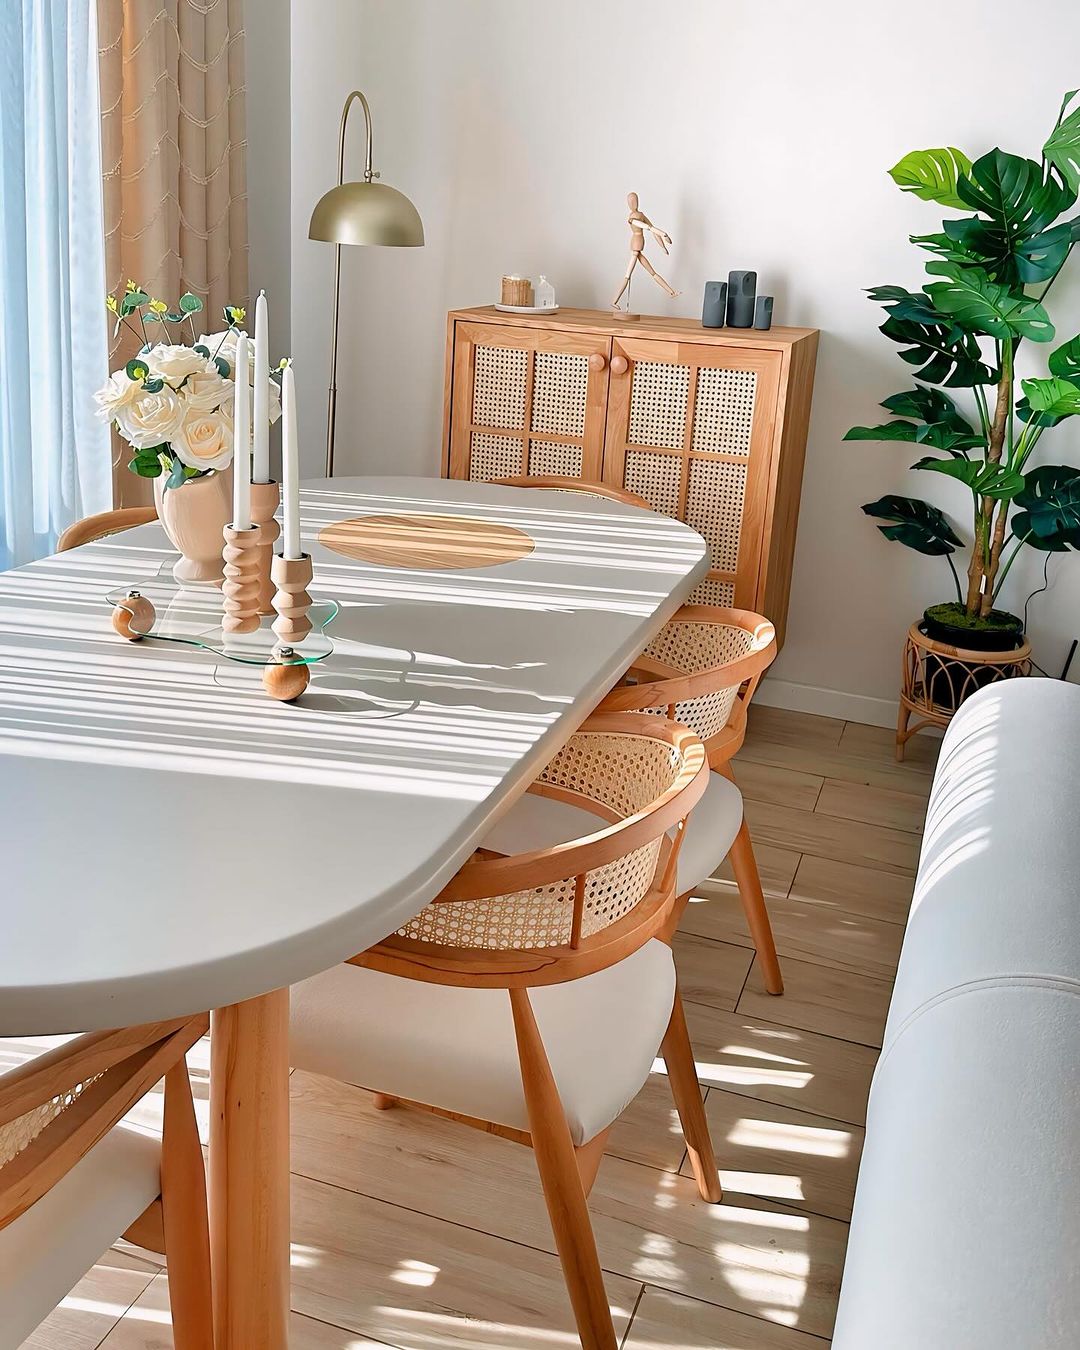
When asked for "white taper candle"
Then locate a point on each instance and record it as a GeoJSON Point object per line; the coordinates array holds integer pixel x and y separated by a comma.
{"type": "Point", "coordinates": [241, 439]}
{"type": "Point", "coordinates": [261, 403]}
{"type": "Point", "coordinates": [290, 467]}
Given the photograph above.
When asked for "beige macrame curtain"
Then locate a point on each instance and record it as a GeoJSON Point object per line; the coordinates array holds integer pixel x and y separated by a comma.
{"type": "Point", "coordinates": [174, 144]}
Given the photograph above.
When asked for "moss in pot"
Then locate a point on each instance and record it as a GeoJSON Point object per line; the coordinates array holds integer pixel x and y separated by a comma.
{"type": "Point", "coordinates": [1009, 233]}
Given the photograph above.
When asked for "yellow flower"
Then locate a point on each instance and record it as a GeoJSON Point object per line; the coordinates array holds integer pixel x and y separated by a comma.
{"type": "Point", "coordinates": [111, 305]}
{"type": "Point", "coordinates": [237, 314]}
{"type": "Point", "coordinates": [158, 307]}
{"type": "Point", "coordinates": [131, 285]}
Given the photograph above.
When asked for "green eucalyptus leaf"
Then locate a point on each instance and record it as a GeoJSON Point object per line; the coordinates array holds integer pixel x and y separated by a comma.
{"type": "Point", "coordinates": [153, 386]}
{"type": "Point", "coordinates": [1065, 361]}
{"type": "Point", "coordinates": [132, 301]}
{"type": "Point", "coordinates": [1048, 514]}
{"type": "Point", "coordinates": [176, 475]}
{"type": "Point", "coordinates": [136, 369]}
{"type": "Point", "coordinates": [222, 367]}
{"type": "Point", "coordinates": [174, 316]}
{"type": "Point", "coordinates": [1062, 150]}
{"type": "Point", "coordinates": [190, 304]}
{"type": "Point", "coordinates": [914, 523]}
{"type": "Point", "coordinates": [146, 466]}
{"type": "Point", "coordinates": [202, 350]}
{"type": "Point", "coordinates": [932, 174]}
{"type": "Point", "coordinates": [983, 478]}
{"type": "Point", "coordinates": [983, 306]}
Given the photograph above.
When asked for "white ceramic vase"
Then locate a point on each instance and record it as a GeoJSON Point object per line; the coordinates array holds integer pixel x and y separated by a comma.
{"type": "Point", "coordinates": [194, 516]}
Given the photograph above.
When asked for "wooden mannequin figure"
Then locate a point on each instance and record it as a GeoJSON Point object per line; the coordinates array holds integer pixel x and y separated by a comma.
{"type": "Point", "coordinates": [639, 222]}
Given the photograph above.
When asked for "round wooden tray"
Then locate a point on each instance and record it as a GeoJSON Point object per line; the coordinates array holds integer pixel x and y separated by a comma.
{"type": "Point", "coordinates": [426, 542]}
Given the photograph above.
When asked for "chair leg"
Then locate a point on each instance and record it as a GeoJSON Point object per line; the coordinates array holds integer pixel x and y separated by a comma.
{"type": "Point", "coordinates": [382, 1102]}
{"type": "Point", "coordinates": [589, 1157]}
{"type": "Point", "coordinates": [744, 865]}
{"type": "Point", "coordinates": [563, 1191]}
{"type": "Point", "coordinates": [902, 719]}
{"type": "Point", "coordinates": [183, 1201]}
{"type": "Point", "coordinates": [685, 1088]}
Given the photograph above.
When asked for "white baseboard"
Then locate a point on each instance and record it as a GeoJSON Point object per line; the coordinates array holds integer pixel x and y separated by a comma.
{"type": "Point", "coordinates": [809, 698]}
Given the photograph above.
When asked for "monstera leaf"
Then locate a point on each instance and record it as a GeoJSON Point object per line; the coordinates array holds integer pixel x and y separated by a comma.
{"type": "Point", "coordinates": [1062, 150]}
{"type": "Point", "coordinates": [1060, 398]}
{"type": "Point", "coordinates": [932, 174]}
{"type": "Point", "coordinates": [916, 524]}
{"type": "Point", "coordinates": [1066, 360]}
{"type": "Point", "coordinates": [983, 478]}
{"type": "Point", "coordinates": [983, 306]}
{"type": "Point", "coordinates": [944, 353]}
{"type": "Point", "coordinates": [934, 435]}
{"type": "Point", "coordinates": [904, 304]}
{"type": "Point", "coordinates": [930, 406]}
{"type": "Point", "coordinates": [1049, 514]}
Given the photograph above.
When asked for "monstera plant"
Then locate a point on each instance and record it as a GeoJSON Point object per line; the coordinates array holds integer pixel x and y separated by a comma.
{"type": "Point", "coordinates": [990, 272]}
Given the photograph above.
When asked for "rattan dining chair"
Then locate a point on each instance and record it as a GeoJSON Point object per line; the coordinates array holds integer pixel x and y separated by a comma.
{"type": "Point", "coordinates": [695, 669]}
{"type": "Point", "coordinates": [584, 486]}
{"type": "Point", "coordinates": [75, 1177]}
{"type": "Point", "coordinates": [534, 993]}
{"type": "Point", "coordinates": [88, 529]}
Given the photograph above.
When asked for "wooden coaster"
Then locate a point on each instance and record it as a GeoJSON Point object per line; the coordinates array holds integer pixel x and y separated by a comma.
{"type": "Point", "coordinates": [426, 541]}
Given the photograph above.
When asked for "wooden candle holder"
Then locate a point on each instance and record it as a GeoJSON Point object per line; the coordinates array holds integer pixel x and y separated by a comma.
{"type": "Point", "coordinates": [265, 500]}
{"type": "Point", "coordinates": [291, 577]}
{"type": "Point", "coordinates": [240, 589]}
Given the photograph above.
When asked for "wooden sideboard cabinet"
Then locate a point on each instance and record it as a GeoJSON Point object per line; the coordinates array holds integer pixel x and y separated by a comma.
{"type": "Point", "coordinates": [707, 424]}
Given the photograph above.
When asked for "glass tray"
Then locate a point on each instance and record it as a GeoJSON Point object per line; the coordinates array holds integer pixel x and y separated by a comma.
{"type": "Point", "coordinates": [192, 615]}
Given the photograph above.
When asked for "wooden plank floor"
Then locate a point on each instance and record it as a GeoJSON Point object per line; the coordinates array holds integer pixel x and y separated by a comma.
{"type": "Point", "coordinates": [410, 1231]}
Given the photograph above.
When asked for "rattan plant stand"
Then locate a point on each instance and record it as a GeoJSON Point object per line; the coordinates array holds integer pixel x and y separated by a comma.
{"type": "Point", "coordinates": [936, 678]}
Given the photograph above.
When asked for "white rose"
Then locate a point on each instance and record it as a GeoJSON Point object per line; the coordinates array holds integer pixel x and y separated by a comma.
{"type": "Point", "coordinates": [203, 440]}
{"type": "Point", "coordinates": [174, 364]}
{"type": "Point", "coordinates": [223, 345]}
{"type": "Point", "coordinates": [117, 394]}
{"type": "Point", "coordinates": [273, 402]}
{"type": "Point", "coordinates": [151, 419]}
{"type": "Point", "coordinates": [206, 390]}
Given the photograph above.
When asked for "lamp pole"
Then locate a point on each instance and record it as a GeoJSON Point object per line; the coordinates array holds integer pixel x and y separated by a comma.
{"type": "Point", "coordinates": [331, 405]}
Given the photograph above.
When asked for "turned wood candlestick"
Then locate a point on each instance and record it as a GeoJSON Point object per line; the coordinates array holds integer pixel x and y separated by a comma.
{"type": "Point", "coordinates": [240, 589]}
{"type": "Point", "coordinates": [291, 577]}
{"type": "Point", "coordinates": [265, 500]}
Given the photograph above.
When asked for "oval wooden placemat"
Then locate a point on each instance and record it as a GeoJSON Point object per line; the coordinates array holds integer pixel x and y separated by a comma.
{"type": "Point", "coordinates": [425, 541]}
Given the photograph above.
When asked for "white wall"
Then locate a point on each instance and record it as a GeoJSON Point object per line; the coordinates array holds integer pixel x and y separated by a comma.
{"type": "Point", "coordinates": [758, 135]}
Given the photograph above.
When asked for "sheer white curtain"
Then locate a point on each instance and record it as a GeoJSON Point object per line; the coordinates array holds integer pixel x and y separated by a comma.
{"type": "Point", "coordinates": [55, 462]}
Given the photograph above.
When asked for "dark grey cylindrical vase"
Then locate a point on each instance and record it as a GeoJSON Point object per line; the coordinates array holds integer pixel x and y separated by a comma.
{"type": "Point", "coordinates": [763, 312]}
{"type": "Point", "coordinates": [714, 306]}
{"type": "Point", "coordinates": [740, 305]}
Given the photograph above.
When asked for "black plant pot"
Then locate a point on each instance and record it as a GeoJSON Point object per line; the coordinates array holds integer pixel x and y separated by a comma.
{"type": "Point", "coordinates": [1005, 635]}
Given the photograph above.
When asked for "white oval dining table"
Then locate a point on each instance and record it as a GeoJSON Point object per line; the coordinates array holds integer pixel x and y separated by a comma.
{"type": "Point", "coordinates": [173, 840]}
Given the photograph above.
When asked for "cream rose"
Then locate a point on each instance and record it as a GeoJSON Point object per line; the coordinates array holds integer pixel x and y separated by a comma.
{"type": "Point", "coordinates": [223, 345]}
{"type": "Point", "coordinates": [273, 403]}
{"type": "Point", "coordinates": [151, 419]}
{"type": "Point", "coordinates": [118, 393]}
{"type": "Point", "coordinates": [206, 390]}
{"type": "Point", "coordinates": [203, 440]}
{"type": "Point", "coordinates": [174, 364]}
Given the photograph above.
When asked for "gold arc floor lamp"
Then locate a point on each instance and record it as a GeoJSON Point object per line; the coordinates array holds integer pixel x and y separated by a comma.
{"type": "Point", "coordinates": [358, 213]}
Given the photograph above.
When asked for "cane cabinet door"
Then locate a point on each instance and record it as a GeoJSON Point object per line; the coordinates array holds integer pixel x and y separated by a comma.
{"type": "Point", "coordinates": [690, 428]}
{"type": "Point", "coordinates": [527, 401]}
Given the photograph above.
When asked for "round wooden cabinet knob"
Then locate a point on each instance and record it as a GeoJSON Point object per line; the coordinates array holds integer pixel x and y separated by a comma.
{"type": "Point", "coordinates": [597, 361]}
{"type": "Point", "coordinates": [619, 365]}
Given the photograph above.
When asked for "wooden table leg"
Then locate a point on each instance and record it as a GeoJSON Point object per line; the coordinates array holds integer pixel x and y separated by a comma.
{"type": "Point", "coordinates": [249, 1173]}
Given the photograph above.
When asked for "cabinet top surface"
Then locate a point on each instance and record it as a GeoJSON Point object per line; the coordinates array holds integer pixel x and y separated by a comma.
{"type": "Point", "coordinates": [649, 325]}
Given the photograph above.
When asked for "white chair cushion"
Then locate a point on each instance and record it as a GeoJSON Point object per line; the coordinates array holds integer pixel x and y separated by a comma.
{"type": "Point", "coordinates": [996, 892]}
{"type": "Point", "coordinates": [47, 1250]}
{"type": "Point", "coordinates": [455, 1048]}
{"type": "Point", "coordinates": [966, 1226]}
{"type": "Point", "coordinates": [538, 822]}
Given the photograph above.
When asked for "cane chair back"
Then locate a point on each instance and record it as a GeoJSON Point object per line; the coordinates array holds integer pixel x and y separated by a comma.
{"type": "Point", "coordinates": [695, 669]}
{"type": "Point", "coordinates": [558, 913]}
{"type": "Point", "coordinates": [88, 529]}
{"type": "Point", "coordinates": [57, 1106]}
{"type": "Point", "coordinates": [583, 486]}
